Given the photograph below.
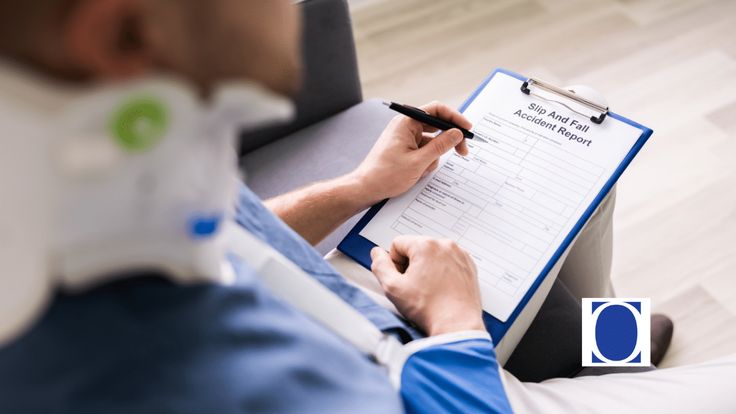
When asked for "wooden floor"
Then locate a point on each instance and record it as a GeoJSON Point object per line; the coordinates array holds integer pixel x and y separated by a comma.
{"type": "Point", "coordinates": [670, 64]}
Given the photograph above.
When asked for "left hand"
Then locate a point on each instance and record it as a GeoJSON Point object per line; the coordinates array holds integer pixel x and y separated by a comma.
{"type": "Point", "coordinates": [432, 282]}
{"type": "Point", "coordinates": [406, 151]}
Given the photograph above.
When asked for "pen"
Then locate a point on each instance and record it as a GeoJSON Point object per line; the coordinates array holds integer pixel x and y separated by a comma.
{"type": "Point", "coordinates": [425, 118]}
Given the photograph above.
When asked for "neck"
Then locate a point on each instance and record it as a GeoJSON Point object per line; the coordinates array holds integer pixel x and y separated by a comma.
{"type": "Point", "coordinates": [107, 208]}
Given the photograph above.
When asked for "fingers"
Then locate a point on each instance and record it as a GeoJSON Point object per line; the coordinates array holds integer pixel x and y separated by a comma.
{"type": "Point", "coordinates": [461, 148]}
{"type": "Point", "coordinates": [404, 246]}
{"type": "Point", "coordinates": [401, 261]}
{"type": "Point", "coordinates": [428, 128]}
{"type": "Point", "coordinates": [383, 267]}
{"type": "Point", "coordinates": [444, 142]}
{"type": "Point", "coordinates": [401, 121]}
{"type": "Point", "coordinates": [439, 110]}
{"type": "Point", "coordinates": [447, 113]}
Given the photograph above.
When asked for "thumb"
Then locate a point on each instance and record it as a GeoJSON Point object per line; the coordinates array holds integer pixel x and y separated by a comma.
{"type": "Point", "coordinates": [383, 267]}
{"type": "Point", "coordinates": [441, 144]}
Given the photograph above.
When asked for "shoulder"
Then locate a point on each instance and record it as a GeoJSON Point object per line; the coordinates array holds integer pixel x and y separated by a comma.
{"type": "Point", "coordinates": [145, 342]}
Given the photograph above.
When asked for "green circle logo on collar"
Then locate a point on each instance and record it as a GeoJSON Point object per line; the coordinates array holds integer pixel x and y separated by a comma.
{"type": "Point", "coordinates": [139, 124]}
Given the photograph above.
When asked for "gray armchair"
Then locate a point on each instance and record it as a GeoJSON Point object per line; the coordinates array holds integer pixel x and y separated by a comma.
{"type": "Point", "coordinates": [333, 129]}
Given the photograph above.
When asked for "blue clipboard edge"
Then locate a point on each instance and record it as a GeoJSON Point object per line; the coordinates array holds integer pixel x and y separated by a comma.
{"type": "Point", "coordinates": [358, 247]}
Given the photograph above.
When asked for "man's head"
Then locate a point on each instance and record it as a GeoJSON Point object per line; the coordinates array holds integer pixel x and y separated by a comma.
{"type": "Point", "coordinates": [131, 175]}
{"type": "Point", "coordinates": [203, 41]}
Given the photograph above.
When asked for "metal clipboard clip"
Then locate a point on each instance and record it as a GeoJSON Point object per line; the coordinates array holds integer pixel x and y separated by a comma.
{"type": "Point", "coordinates": [599, 111]}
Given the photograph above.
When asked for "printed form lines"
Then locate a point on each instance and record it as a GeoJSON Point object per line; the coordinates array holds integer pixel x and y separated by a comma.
{"type": "Point", "coordinates": [505, 202]}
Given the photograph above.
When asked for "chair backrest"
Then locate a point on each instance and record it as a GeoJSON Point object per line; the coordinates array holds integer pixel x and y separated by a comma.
{"type": "Point", "coordinates": [331, 82]}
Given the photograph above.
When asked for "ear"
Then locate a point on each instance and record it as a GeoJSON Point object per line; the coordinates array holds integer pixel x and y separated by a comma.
{"type": "Point", "coordinates": [105, 38]}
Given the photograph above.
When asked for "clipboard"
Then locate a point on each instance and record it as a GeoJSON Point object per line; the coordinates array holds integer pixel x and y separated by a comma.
{"type": "Point", "coordinates": [358, 247]}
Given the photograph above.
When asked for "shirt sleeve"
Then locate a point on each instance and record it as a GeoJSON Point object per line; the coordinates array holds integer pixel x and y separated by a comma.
{"type": "Point", "coordinates": [454, 373]}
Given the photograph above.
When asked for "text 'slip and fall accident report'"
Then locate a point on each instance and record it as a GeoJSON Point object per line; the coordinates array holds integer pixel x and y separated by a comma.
{"type": "Point", "coordinates": [533, 170]}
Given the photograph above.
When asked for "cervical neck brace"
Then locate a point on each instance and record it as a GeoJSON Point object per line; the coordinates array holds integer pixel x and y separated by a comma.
{"type": "Point", "coordinates": [102, 181]}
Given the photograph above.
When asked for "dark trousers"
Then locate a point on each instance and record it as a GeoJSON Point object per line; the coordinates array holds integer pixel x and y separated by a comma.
{"type": "Point", "coordinates": [552, 346]}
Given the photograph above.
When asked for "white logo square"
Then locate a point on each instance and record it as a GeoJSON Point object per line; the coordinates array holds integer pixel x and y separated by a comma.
{"type": "Point", "coordinates": [616, 332]}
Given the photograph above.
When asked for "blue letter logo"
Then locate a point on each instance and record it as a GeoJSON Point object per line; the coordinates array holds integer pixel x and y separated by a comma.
{"type": "Point", "coordinates": [616, 332]}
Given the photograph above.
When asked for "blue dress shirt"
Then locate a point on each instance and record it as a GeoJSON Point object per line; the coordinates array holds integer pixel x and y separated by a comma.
{"type": "Point", "coordinates": [146, 345]}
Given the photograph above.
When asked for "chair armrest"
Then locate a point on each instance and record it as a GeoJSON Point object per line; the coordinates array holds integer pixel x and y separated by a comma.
{"type": "Point", "coordinates": [331, 82]}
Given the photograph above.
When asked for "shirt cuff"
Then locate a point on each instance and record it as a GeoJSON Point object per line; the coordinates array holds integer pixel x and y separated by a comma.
{"type": "Point", "coordinates": [447, 338]}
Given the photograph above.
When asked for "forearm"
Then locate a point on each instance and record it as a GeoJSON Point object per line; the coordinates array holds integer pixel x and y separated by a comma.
{"type": "Point", "coordinates": [317, 210]}
{"type": "Point", "coordinates": [405, 152]}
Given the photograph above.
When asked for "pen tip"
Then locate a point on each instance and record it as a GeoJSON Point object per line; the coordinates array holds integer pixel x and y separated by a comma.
{"type": "Point", "coordinates": [387, 103]}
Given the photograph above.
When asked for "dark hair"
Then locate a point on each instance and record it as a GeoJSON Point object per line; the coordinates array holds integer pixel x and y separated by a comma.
{"type": "Point", "coordinates": [24, 22]}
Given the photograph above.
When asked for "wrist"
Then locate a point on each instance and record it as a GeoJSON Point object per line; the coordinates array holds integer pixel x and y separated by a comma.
{"type": "Point", "coordinates": [362, 188]}
{"type": "Point", "coordinates": [352, 190]}
{"type": "Point", "coordinates": [456, 325]}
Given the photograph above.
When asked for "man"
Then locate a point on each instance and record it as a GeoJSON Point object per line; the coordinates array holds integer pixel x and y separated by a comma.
{"type": "Point", "coordinates": [136, 340]}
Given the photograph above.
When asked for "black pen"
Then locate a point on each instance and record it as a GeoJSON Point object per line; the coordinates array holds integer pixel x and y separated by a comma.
{"type": "Point", "coordinates": [425, 118]}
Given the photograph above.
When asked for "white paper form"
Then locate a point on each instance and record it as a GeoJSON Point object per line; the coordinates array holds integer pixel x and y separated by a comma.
{"type": "Point", "coordinates": [533, 170]}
